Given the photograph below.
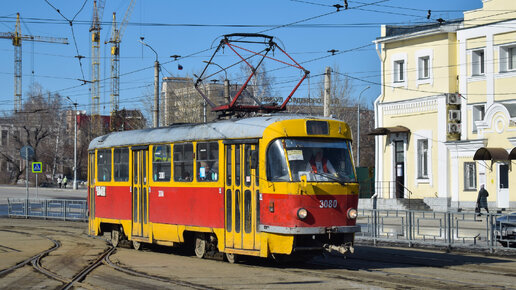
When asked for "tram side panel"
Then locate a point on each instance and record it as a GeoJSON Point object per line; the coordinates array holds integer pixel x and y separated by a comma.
{"type": "Point", "coordinates": [189, 206]}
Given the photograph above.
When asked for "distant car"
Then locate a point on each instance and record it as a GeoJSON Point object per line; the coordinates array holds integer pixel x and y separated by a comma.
{"type": "Point", "coordinates": [505, 230]}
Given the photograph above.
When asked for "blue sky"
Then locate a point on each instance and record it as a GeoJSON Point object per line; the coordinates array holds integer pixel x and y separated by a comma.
{"type": "Point", "coordinates": [187, 28]}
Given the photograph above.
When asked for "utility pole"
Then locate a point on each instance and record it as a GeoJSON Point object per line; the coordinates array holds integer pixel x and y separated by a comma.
{"type": "Point", "coordinates": [155, 110]}
{"type": "Point", "coordinates": [74, 145]}
{"type": "Point", "coordinates": [358, 126]}
{"type": "Point", "coordinates": [156, 92]}
{"type": "Point", "coordinates": [327, 91]}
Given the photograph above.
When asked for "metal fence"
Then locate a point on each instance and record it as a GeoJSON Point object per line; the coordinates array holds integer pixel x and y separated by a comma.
{"type": "Point", "coordinates": [63, 209]}
{"type": "Point", "coordinates": [434, 228]}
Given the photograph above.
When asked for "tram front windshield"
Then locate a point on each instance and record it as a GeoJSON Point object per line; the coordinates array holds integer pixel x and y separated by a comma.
{"type": "Point", "coordinates": [325, 160]}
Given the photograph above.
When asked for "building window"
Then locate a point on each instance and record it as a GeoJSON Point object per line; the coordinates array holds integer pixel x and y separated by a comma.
{"type": "Point", "coordinates": [399, 71]}
{"type": "Point", "coordinates": [183, 162]}
{"type": "Point", "coordinates": [4, 138]}
{"type": "Point", "coordinates": [207, 161]}
{"type": "Point", "coordinates": [478, 115]}
{"type": "Point", "coordinates": [478, 62]}
{"type": "Point", "coordinates": [121, 164]}
{"type": "Point", "coordinates": [161, 159]}
{"type": "Point", "coordinates": [507, 58]}
{"type": "Point", "coordinates": [423, 67]}
{"type": "Point", "coordinates": [470, 176]}
{"type": "Point", "coordinates": [422, 158]}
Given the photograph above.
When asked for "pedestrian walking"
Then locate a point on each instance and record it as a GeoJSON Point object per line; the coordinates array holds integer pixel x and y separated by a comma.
{"type": "Point", "coordinates": [482, 200]}
{"type": "Point", "coordinates": [65, 181]}
{"type": "Point", "coordinates": [59, 180]}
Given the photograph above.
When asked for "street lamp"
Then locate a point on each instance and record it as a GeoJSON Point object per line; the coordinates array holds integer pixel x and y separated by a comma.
{"type": "Point", "coordinates": [226, 81]}
{"type": "Point", "coordinates": [358, 126]}
{"type": "Point", "coordinates": [156, 86]}
{"type": "Point", "coordinates": [74, 145]}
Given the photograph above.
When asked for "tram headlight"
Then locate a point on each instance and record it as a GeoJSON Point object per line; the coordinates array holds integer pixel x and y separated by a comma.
{"type": "Point", "coordinates": [302, 213]}
{"type": "Point", "coordinates": [352, 213]}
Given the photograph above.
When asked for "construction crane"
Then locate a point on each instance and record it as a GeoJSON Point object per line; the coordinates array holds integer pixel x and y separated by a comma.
{"type": "Point", "coordinates": [95, 58]}
{"type": "Point", "coordinates": [116, 38]}
{"type": "Point", "coordinates": [17, 38]}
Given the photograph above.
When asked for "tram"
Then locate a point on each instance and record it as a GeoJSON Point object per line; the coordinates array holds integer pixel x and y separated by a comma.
{"type": "Point", "coordinates": [268, 186]}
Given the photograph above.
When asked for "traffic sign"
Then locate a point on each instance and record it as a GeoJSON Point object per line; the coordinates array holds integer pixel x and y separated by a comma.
{"type": "Point", "coordinates": [37, 167]}
{"type": "Point", "coordinates": [27, 152]}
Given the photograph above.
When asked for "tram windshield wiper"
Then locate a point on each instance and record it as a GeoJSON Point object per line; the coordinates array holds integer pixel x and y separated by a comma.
{"type": "Point", "coordinates": [331, 176]}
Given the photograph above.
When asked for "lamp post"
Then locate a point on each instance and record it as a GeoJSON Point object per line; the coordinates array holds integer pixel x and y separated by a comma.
{"type": "Point", "coordinates": [156, 87]}
{"type": "Point", "coordinates": [74, 145]}
{"type": "Point", "coordinates": [226, 81]}
{"type": "Point", "coordinates": [358, 126]}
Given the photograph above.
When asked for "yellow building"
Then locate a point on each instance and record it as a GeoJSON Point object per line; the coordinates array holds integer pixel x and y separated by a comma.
{"type": "Point", "coordinates": [446, 116]}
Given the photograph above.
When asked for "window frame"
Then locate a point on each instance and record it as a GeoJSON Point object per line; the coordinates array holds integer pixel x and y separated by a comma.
{"type": "Point", "coordinates": [396, 60]}
{"type": "Point", "coordinates": [478, 62]}
{"type": "Point", "coordinates": [117, 165]}
{"type": "Point", "coordinates": [422, 158]}
{"type": "Point", "coordinates": [477, 114]}
{"type": "Point", "coordinates": [157, 165]}
{"type": "Point", "coordinates": [423, 135]}
{"type": "Point", "coordinates": [470, 186]}
{"type": "Point", "coordinates": [182, 162]}
{"type": "Point", "coordinates": [101, 166]}
{"type": "Point", "coordinates": [399, 71]}
{"type": "Point", "coordinates": [211, 161]}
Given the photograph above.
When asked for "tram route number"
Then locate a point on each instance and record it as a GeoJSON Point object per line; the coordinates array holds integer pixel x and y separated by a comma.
{"type": "Point", "coordinates": [328, 203]}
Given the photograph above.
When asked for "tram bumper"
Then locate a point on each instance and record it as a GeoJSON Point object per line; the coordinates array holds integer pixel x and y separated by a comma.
{"type": "Point", "coordinates": [310, 230]}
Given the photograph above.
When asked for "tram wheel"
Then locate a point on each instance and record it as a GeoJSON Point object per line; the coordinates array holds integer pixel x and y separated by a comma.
{"type": "Point", "coordinates": [232, 258]}
{"type": "Point", "coordinates": [137, 245]}
{"type": "Point", "coordinates": [115, 237]}
{"type": "Point", "coordinates": [200, 245]}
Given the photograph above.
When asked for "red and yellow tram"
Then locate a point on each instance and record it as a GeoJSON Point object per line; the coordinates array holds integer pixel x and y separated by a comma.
{"type": "Point", "coordinates": [261, 186]}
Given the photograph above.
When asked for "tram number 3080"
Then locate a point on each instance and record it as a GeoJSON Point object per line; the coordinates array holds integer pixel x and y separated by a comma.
{"type": "Point", "coordinates": [328, 203]}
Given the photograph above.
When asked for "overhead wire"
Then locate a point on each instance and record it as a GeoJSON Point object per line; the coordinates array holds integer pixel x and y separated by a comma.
{"type": "Point", "coordinates": [70, 22]}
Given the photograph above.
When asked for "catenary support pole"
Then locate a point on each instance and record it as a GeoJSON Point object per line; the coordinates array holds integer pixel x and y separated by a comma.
{"type": "Point", "coordinates": [327, 91]}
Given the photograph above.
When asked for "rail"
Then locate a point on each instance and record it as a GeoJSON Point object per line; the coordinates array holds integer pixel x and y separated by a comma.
{"type": "Point", "coordinates": [450, 229]}
{"type": "Point", "coordinates": [64, 209]}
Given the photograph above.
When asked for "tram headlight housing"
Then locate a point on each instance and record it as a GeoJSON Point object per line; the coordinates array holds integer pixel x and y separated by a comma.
{"type": "Point", "coordinates": [302, 213]}
{"type": "Point", "coordinates": [352, 214]}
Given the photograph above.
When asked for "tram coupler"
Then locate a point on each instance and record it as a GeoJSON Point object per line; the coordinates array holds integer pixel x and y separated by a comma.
{"type": "Point", "coordinates": [342, 249]}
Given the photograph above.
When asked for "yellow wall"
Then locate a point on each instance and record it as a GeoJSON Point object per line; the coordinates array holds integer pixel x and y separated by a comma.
{"type": "Point", "coordinates": [477, 91]}
{"type": "Point", "coordinates": [503, 38]}
{"type": "Point", "coordinates": [474, 43]}
{"type": "Point", "coordinates": [417, 122]}
{"type": "Point", "coordinates": [444, 47]}
{"type": "Point", "coordinates": [493, 11]}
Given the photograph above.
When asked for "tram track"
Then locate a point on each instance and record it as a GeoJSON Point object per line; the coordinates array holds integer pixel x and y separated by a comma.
{"type": "Point", "coordinates": [176, 282]}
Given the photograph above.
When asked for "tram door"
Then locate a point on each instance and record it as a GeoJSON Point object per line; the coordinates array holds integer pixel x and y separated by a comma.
{"type": "Point", "coordinates": [241, 198]}
{"type": "Point", "coordinates": [91, 193]}
{"type": "Point", "coordinates": [140, 196]}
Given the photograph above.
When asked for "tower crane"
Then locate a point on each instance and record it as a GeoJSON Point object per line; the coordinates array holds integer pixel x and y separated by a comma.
{"type": "Point", "coordinates": [116, 38]}
{"type": "Point", "coordinates": [95, 58]}
{"type": "Point", "coordinates": [17, 38]}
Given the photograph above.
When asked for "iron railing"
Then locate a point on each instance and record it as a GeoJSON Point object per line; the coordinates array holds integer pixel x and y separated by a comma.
{"type": "Point", "coordinates": [457, 229]}
{"type": "Point", "coordinates": [64, 209]}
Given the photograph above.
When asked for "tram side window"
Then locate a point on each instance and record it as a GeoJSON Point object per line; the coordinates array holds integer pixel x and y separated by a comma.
{"type": "Point", "coordinates": [104, 165]}
{"type": "Point", "coordinates": [121, 164]}
{"type": "Point", "coordinates": [161, 163]}
{"type": "Point", "coordinates": [208, 161]}
{"type": "Point", "coordinates": [183, 162]}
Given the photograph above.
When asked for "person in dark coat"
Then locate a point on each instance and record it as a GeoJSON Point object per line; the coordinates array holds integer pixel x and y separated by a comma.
{"type": "Point", "coordinates": [482, 199]}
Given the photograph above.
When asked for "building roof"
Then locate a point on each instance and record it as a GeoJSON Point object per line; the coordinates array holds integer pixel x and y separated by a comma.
{"type": "Point", "coordinates": [393, 32]}
{"type": "Point", "coordinates": [245, 128]}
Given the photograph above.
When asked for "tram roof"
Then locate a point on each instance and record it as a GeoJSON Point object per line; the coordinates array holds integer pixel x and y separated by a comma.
{"type": "Point", "coordinates": [244, 128]}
